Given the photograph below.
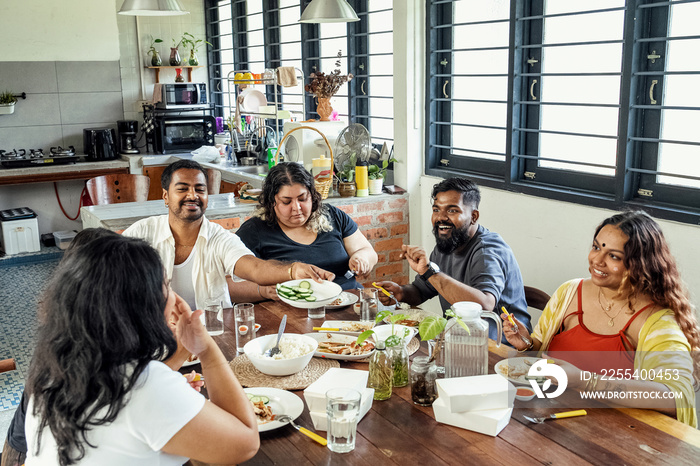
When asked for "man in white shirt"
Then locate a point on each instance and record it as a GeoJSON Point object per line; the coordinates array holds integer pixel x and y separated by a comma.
{"type": "Point", "coordinates": [198, 254]}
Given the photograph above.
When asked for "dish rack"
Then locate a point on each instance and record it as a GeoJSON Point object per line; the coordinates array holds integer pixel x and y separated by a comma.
{"type": "Point", "coordinates": [323, 184]}
{"type": "Point", "coordinates": [235, 86]}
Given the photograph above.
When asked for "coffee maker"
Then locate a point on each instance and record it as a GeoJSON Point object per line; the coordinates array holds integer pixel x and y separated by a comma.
{"type": "Point", "coordinates": [127, 136]}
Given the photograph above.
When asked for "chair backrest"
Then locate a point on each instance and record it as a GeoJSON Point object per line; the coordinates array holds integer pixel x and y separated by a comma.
{"type": "Point", "coordinates": [536, 298]}
{"type": "Point", "coordinates": [213, 181]}
{"type": "Point", "coordinates": [7, 365]}
{"type": "Point", "coordinates": [113, 189]}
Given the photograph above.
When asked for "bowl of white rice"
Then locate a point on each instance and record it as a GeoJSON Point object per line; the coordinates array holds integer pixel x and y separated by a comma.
{"type": "Point", "coordinates": [295, 353]}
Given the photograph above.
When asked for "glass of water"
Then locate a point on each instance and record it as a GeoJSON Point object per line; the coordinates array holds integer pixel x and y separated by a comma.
{"type": "Point", "coordinates": [212, 310]}
{"type": "Point", "coordinates": [244, 316]}
{"type": "Point", "coordinates": [369, 301]}
{"type": "Point", "coordinates": [343, 411]}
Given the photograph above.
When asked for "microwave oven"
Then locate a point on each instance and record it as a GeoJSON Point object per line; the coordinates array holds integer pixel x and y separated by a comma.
{"type": "Point", "coordinates": [183, 96]}
{"type": "Point", "coordinates": [183, 133]}
{"type": "Point", "coordinates": [305, 145]}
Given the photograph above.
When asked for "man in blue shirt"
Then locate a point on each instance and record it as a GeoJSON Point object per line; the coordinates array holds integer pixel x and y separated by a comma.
{"type": "Point", "coordinates": [469, 262]}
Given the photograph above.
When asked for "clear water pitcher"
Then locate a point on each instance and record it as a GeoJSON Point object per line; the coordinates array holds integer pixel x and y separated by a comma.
{"type": "Point", "coordinates": [467, 353]}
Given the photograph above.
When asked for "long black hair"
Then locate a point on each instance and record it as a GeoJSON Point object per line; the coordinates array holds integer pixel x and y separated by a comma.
{"type": "Point", "coordinates": [286, 174]}
{"type": "Point", "coordinates": [103, 323]}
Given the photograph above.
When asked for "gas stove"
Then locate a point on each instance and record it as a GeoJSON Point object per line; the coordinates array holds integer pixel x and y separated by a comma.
{"type": "Point", "coordinates": [36, 157]}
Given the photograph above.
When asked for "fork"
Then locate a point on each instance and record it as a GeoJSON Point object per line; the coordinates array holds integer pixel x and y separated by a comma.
{"type": "Point", "coordinates": [540, 420]}
{"type": "Point", "coordinates": [391, 295]}
{"type": "Point", "coordinates": [303, 430]}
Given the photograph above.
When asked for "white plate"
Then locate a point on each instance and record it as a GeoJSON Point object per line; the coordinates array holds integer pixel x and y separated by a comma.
{"type": "Point", "coordinates": [252, 100]}
{"type": "Point", "coordinates": [342, 324]}
{"type": "Point", "coordinates": [190, 363]}
{"type": "Point", "coordinates": [281, 402]}
{"type": "Point", "coordinates": [339, 338]}
{"type": "Point", "coordinates": [346, 299]}
{"type": "Point", "coordinates": [413, 314]}
{"type": "Point", "coordinates": [515, 369]}
{"type": "Point", "coordinates": [325, 293]}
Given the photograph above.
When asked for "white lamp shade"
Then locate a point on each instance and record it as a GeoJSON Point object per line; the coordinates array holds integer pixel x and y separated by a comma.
{"type": "Point", "coordinates": [152, 8]}
{"type": "Point", "coordinates": [328, 11]}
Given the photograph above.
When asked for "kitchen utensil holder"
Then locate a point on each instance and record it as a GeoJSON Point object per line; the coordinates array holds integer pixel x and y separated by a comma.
{"type": "Point", "coordinates": [322, 186]}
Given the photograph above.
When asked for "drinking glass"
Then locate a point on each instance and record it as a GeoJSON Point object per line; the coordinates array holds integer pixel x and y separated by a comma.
{"type": "Point", "coordinates": [244, 316]}
{"type": "Point", "coordinates": [213, 308]}
{"type": "Point", "coordinates": [368, 304]}
{"type": "Point", "coordinates": [343, 412]}
{"type": "Point", "coordinates": [317, 312]}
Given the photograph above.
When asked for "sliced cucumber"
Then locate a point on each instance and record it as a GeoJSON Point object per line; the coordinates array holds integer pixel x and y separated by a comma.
{"type": "Point", "coordinates": [258, 398]}
{"type": "Point", "coordinates": [310, 298]}
{"type": "Point", "coordinates": [305, 284]}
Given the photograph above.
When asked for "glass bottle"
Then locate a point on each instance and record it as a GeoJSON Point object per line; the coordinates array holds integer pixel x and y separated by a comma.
{"type": "Point", "coordinates": [423, 375]}
{"type": "Point", "coordinates": [175, 59]}
{"type": "Point", "coordinates": [399, 361]}
{"type": "Point", "coordinates": [381, 373]}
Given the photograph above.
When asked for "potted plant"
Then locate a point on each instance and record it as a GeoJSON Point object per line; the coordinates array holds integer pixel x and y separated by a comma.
{"type": "Point", "coordinates": [7, 103]}
{"type": "Point", "coordinates": [188, 40]}
{"type": "Point", "coordinates": [324, 86]}
{"type": "Point", "coordinates": [346, 178]}
{"type": "Point", "coordinates": [376, 175]}
{"type": "Point", "coordinates": [395, 346]}
{"type": "Point", "coordinates": [175, 59]}
{"type": "Point", "coordinates": [155, 55]}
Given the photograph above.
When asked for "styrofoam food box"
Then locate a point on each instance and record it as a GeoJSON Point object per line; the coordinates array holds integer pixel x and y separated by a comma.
{"type": "Point", "coordinates": [315, 394]}
{"type": "Point", "coordinates": [20, 235]}
{"type": "Point", "coordinates": [477, 392]}
{"type": "Point", "coordinates": [488, 421]}
{"type": "Point", "coordinates": [320, 419]}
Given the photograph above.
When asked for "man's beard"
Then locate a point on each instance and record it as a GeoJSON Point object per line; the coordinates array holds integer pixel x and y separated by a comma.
{"type": "Point", "coordinates": [182, 214]}
{"type": "Point", "coordinates": [446, 245]}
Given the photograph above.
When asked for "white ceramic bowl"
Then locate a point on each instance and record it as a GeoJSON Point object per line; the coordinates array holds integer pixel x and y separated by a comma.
{"type": "Point", "coordinates": [254, 349]}
{"type": "Point", "coordinates": [527, 394]}
{"type": "Point", "coordinates": [325, 293]}
{"type": "Point", "coordinates": [381, 332]}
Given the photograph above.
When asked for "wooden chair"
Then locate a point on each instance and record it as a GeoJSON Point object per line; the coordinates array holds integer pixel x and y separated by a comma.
{"type": "Point", "coordinates": [536, 298]}
{"type": "Point", "coordinates": [7, 365]}
{"type": "Point", "coordinates": [113, 189]}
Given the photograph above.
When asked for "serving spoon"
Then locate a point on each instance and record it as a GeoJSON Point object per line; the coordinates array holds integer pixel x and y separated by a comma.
{"type": "Point", "coordinates": [276, 349]}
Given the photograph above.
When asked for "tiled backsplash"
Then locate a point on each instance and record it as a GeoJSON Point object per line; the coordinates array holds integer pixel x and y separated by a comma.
{"type": "Point", "coordinates": [62, 99]}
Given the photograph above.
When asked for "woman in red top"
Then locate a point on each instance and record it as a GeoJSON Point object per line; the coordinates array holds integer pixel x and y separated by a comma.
{"type": "Point", "coordinates": [632, 315]}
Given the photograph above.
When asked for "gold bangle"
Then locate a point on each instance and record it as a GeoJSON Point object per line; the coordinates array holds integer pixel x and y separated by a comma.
{"type": "Point", "coordinates": [532, 345]}
{"type": "Point", "coordinates": [291, 269]}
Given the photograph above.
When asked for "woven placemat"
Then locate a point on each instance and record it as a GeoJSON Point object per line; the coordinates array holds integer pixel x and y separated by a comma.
{"type": "Point", "coordinates": [249, 376]}
{"type": "Point", "coordinates": [412, 347]}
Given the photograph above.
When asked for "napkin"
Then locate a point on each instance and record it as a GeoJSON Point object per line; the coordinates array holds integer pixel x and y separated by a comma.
{"type": "Point", "coordinates": [206, 154]}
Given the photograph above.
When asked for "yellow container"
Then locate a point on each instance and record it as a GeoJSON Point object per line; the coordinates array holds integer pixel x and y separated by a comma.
{"type": "Point", "coordinates": [361, 180]}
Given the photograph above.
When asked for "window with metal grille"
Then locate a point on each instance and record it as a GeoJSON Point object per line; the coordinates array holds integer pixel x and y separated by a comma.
{"type": "Point", "coordinates": [591, 102]}
{"type": "Point", "coordinates": [258, 34]}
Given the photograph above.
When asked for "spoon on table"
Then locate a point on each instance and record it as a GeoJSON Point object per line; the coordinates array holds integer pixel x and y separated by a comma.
{"type": "Point", "coordinates": [276, 349]}
{"type": "Point", "coordinates": [540, 420]}
{"type": "Point", "coordinates": [303, 430]}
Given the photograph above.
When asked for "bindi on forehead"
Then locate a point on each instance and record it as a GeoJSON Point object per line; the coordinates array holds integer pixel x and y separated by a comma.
{"type": "Point", "coordinates": [603, 244]}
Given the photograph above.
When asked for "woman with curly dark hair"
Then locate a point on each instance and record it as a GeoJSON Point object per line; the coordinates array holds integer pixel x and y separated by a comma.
{"type": "Point", "coordinates": [98, 391]}
{"type": "Point", "coordinates": [631, 322]}
{"type": "Point", "coordinates": [292, 224]}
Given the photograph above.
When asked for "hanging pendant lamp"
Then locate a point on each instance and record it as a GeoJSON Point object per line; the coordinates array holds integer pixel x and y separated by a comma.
{"type": "Point", "coordinates": [152, 8]}
{"type": "Point", "coordinates": [328, 11]}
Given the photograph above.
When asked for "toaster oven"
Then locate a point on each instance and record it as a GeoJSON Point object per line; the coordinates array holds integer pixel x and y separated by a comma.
{"type": "Point", "coordinates": [183, 133]}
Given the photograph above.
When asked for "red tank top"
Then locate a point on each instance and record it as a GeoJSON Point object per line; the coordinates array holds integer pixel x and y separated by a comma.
{"type": "Point", "coordinates": [582, 347]}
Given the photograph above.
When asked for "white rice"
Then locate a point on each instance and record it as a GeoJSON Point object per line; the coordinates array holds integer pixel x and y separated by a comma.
{"type": "Point", "coordinates": [290, 348]}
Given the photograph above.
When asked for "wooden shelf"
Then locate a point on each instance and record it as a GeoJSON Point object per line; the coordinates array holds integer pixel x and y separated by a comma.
{"type": "Point", "coordinates": [188, 67]}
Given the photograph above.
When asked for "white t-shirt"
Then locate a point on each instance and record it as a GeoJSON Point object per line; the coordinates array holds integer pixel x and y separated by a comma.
{"type": "Point", "coordinates": [216, 255]}
{"type": "Point", "coordinates": [181, 280]}
{"type": "Point", "coordinates": [158, 406]}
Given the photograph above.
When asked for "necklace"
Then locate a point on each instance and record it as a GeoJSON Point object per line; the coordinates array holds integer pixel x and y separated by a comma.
{"type": "Point", "coordinates": [607, 307]}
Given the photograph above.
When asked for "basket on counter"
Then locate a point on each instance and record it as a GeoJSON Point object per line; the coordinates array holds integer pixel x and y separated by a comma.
{"type": "Point", "coordinates": [323, 185]}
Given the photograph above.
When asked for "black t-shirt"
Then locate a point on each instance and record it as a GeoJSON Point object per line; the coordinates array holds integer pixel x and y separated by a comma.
{"type": "Point", "coordinates": [15, 434]}
{"type": "Point", "coordinates": [327, 251]}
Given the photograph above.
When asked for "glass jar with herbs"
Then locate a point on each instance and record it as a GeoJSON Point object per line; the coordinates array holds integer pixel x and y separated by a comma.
{"type": "Point", "coordinates": [399, 361]}
{"type": "Point", "coordinates": [381, 373]}
{"type": "Point", "coordinates": [423, 375]}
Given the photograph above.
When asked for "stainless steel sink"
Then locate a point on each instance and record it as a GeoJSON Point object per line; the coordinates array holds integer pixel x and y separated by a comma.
{"type": "Point", "coordinates": [252, 170]}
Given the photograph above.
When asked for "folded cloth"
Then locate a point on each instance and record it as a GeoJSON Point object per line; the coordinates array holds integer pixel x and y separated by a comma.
{"type": "Point", "coordinates": [206, 154]}
{"type": "Point", "coordinates": [157, 93]}
{"type": "Point", "coordinates": [287, 76]}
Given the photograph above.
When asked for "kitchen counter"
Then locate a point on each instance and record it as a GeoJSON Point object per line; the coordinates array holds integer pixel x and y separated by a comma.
{"type": "Point", "coordinates": [74, 171]}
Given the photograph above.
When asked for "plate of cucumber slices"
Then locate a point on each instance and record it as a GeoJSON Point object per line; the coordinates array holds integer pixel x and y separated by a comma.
{"type": "Point", "coordinates": [306, 293]}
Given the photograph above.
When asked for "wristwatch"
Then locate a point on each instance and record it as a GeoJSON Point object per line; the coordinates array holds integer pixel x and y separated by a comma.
{"type": "Point", "coordinates": [432, 270]}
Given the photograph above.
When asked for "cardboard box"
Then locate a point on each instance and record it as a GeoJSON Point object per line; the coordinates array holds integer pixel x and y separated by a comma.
{"type": "Point", "coordinates": [320, 419]}
{"type": "Point", "coordinates": [315, 394]}
{"type": "Point", "coordinates": [489, 421]}
{"type": "Point", "coordinates": [460, 394]}
{"type": "Point", "coordinates": [20, 235]}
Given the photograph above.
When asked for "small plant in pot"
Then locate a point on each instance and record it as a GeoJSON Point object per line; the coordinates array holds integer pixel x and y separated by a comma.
{"type": "Point", "coordinates": [7, 103]}
{"type": "Point", "coordinates": [377, 174]}
{"type": "Point", "coordinates": [188, 40]}
{"type": "Point", "coordinates": [153, 52]}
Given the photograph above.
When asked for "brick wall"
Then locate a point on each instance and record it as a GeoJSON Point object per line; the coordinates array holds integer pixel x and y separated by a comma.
{"type": "Point", "coordinates": [384, 222]}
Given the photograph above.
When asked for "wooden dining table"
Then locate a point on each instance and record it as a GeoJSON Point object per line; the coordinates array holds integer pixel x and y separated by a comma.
{"type": "Point", "coordinates": [396, 431]}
